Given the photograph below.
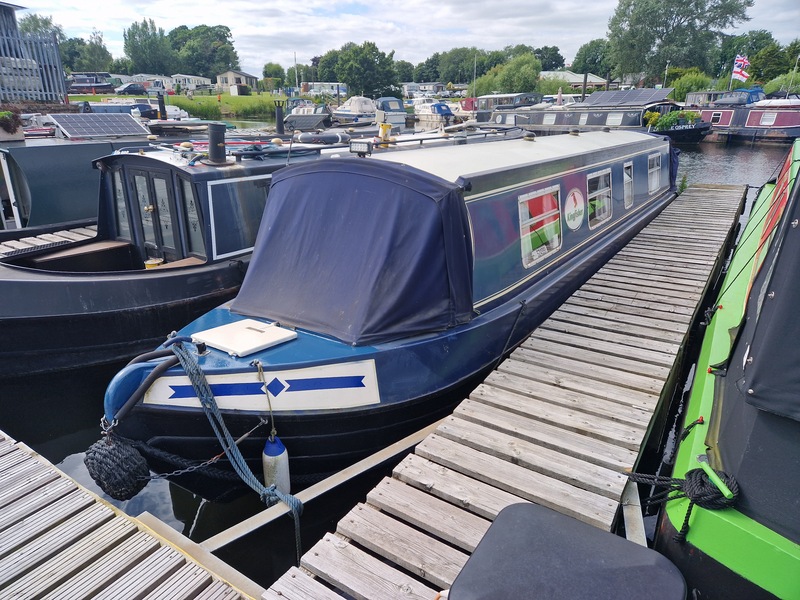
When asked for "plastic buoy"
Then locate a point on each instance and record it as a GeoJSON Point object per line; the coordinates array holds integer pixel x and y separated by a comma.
{"type": "Point", "coordinates": [275, 460]}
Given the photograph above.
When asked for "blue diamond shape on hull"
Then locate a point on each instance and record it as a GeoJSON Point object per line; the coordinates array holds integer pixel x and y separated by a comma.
{"type": "Point", "coordinates": [275, 387]}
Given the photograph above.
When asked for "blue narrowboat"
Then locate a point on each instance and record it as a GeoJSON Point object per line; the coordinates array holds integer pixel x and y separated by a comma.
{"type": "Point", "coordinates": [382, 288]}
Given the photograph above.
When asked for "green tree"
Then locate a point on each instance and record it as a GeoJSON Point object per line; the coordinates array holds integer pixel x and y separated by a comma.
{"type": "Point", "coordinates": [428, 70]}
{"type": "Point", "coordinates": [327, 64]}
{"type": "Point", "coordinates": [275, 73]}
{"type": "Point", "coordinates": [149, 49]}
{"type": "Point", "coordinates": [511, 52]}
{"type": "Point", "coordinates": [551, 85]}
{"type": "Point", "coordinates": [205, 50]}
{"type": "Point", "coordinates": [70, 52]}
{"type": "Point", "coordinates": [297, 74]}
{"type": "Point", "coordinates": [123, 66]}
{"type": "Point", "coordinates": [459, 64]}
{"type": "Point", "coordinates": [692, 80]}
{"type": "Point", "coordinates": [550, 58]}
{"type": "Point", "coordinates": [645, 34]}
{"type": "Point", "coordinates": [592, 57]}
{"type": "Point", "coordinates": [94, 55]}
{"type": "Point", "coordinates": [404, 70]}
{"type": "Point", "coordinates": [367, 70]}
{"type": "Point", "coordinates": [769, 63]}
{"type": "Point", "coordinates": [748, 44]}
{"type": "Point", "coordinates": [33, 24]}
{"type": "Point", "coordinates": [520, 74]}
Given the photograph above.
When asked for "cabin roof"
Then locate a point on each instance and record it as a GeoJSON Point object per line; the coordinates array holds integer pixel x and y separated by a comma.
{"type": "Point", "coordinates": [470, 160]}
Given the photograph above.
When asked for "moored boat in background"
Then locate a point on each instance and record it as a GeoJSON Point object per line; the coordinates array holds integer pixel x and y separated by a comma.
{"type": "Point", "coordinates": [383, 288]}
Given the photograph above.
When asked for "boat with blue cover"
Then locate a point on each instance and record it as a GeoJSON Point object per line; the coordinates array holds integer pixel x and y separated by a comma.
{"type": "Point", "coordinates": [737, 535]}
{"type": "Point", "coordinates": [384, 288]}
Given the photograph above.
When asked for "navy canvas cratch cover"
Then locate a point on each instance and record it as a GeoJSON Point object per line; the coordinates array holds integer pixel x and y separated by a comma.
{"type": "Point", "coordinates": [361, 250]}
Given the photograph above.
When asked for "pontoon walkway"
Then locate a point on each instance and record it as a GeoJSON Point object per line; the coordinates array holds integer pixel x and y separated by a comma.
{"type": "Point", "coordinates": [558, 423]}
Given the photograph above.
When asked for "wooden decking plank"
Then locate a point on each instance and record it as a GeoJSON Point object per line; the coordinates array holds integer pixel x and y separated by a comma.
{"type": "Point", "coordinates": [568, 499]}
{"type": "Point", "coordinates": [541, 346]}
{"type": "Point", "coordinates": [37, 499]}
{"type": "Point", "coordinates": [296, 584]}
{"type": "Point", "coordinates": [664, 309]}
{"type": "Point", "coordinates": [563, 467]}
{"type": "Point", "coordinates": [361, 575]}
{"type": "Point", "coordinates": [592, 369]}
{"type": "Point", "coordinates": [89, 581]}
{"type": "Point", "coordinates": [587, 424]}
{"type": "Point", "coordinates": [184, 584]}
{"type": "Point", "coordinates": [663, 254]}
{"type": "Point", "coordinates": [508, 375]}
{"type": "Point", "coordinates": [656, 327]}
{"type": "Point", "coordinates": [633, 414]}
{"type": "Point", "coordinates": [611, 348]}
{"type": "Point", "coordinates": [26, 556]}
{"type": "Point", "coordinates": [568, 442]}
{"type": "Point", "coordinates": [23, 479]}
{"type": "Point", "coordinates": [599, 320]}
{"type": "Point", "coordinates": [87, 231]}
{"type": "Point", "coordinates": [73, 235]}
{"type": "Point", "coordinates": [11, 459]}
{"type": "Point", "coordinates": [145, 577]}
{"type": "Point", "coordinates": [666, 349]}
{"type": "Point", "coordinates": [636, 290]}
{"type": "Point", "coordinates": [454, 487]}
{"type": "Point", "coordinates": [75, 557]}
{"type": "Point", "coordinates": [402, 545]}
{"type": "Point", "coordinates": [645, 286]}
{"type": "Point", "coordinates": [442, 519]}
{"type": "Point", "coordinates": [39, 522]}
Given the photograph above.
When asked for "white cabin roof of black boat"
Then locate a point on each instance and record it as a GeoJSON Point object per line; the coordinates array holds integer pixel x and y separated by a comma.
{"type": "Point", "coordinates": [452, 162]}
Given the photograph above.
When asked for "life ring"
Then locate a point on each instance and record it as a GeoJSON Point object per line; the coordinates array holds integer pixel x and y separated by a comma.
{"type": "Point", "coordinates": [308, 137]}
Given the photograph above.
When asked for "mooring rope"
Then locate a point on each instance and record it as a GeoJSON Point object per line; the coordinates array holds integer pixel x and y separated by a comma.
{"type": "Point", "coordinates": [269, 495]}
{"type": "Point", "coordinates": [697, 487]}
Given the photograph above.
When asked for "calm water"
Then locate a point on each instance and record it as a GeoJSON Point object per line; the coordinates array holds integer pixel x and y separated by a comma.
{"type": "Point", "coordinates": [58, 416]}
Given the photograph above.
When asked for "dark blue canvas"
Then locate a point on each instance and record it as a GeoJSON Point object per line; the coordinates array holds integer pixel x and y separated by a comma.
{"type": "Point", "coordinates": [361, 250]}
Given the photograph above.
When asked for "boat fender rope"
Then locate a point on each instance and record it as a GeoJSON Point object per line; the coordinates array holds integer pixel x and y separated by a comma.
{"type": "Point", "coordinates": [697, 487]}
{"type": "Point", "coordinates": [118, 468]}
{"type": "Point", "coordinates": [269, 495]}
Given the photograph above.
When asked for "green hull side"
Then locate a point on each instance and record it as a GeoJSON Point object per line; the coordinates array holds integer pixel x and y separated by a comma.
{"type": "Point", "coordinates": [744, 546]}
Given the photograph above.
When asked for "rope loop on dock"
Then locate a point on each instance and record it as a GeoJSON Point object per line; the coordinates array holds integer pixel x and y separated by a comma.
{"type": "Point", "coordinates": [269, 495]}
{"type": "Point", "coordinates": [697, 487]}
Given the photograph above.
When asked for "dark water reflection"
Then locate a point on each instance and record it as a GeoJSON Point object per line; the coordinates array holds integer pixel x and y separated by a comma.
{"type": "Point", "coordinates": [58, 416]}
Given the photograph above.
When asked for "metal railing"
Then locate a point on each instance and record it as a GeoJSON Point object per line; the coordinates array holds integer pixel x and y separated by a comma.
{"type": "Point", "coordinates": [30, 69]}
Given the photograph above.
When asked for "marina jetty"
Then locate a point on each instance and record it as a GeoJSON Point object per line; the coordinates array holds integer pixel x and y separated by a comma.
{"type": "Point", "coordinates": [558, 423]}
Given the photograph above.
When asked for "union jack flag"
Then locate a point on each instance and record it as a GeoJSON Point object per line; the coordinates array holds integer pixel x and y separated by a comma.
{"type": "Point", "coordinates": [739, 64]}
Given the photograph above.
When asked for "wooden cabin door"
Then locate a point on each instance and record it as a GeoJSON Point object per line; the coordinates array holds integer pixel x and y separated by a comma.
{"type": "Point", "coordinates": [157, 214]}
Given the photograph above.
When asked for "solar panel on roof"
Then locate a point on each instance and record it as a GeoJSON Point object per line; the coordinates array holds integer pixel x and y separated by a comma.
{"type": "Point", "coordinates": [89, 125]}
{"type": "Point", "coordinates": [635, 97]}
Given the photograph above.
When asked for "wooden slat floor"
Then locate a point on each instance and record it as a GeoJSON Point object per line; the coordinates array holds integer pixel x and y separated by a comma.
{"type": "Point", "coordinates": [558, 423]}
{"type": "Point", "coordinates": [58, 540]}
{"type": "Point", "coordinates": [56, 238]}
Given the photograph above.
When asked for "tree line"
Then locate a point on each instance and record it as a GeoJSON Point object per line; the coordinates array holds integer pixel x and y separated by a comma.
{"type": "Point", "coordinates": [647, 42]}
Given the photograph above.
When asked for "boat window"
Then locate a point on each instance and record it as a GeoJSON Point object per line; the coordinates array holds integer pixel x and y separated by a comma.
{"type": "Point", "coordinates": [549, 119]}
{"type": "Point", "coordinates": [614, 119]}
{"type": "Point", "coordinates": [653, 173]}
{"type": "Point", "coordinates": [599, 196]}
{"type": "Point", "coordinates": [165, 221]}
{"type": "Point", "coordinates": [583, 119]}
{"type": "Point", "coordinates": [236, 208]}
{"type": "Point", "coordinates": [145, 209]}
{"type": "Point", "coordinates": [627, 181]}
{"type": "Point", "coordinates": [540, 224]}
{"type": "Point", "coordinates": [121, 207]}
{"type": "Point", "coordinates": [768, 118]}
{"type": "Point", "coordinates": [716, 117]}
{"type": "Point", "coordinates": [194, 231]}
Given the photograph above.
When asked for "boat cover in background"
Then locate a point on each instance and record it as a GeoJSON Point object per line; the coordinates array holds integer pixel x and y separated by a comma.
{"type": "Point", "coordinates": [364, 251]}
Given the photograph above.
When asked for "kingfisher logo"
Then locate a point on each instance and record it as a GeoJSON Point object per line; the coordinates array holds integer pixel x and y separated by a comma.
{"type": "Point", "coordinates": [574, 209]}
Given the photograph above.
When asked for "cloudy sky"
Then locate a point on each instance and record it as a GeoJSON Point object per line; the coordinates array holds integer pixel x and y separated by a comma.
{"type": "Point", "coordinates": [415, 29]}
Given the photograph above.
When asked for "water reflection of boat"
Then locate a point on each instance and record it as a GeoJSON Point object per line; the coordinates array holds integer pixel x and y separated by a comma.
{"type": "Point", "coordinates": [381, 286]}
{"type": "Point", "coordinates": [743, 418]}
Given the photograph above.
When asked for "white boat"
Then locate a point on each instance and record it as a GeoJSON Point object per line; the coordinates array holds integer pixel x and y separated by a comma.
{"type": "Point", "coordinates": [355, 109]}
{"type": "Point", "coordinates": [434, 114]}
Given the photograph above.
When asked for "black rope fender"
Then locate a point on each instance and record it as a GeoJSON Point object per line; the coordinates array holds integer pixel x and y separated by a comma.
{"type": "Point", "coordinates": [697, 487]}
